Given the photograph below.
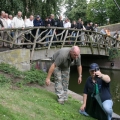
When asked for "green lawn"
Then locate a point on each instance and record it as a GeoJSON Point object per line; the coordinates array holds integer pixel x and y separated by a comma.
{"type": "Point", "coordinates": [30, 103]}
{"type": "Point", "coordinates": [18, 101]}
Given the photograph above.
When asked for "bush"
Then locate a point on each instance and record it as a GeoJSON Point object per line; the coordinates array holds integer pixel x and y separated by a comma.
{"type": "Point", "coordinates": [32, 76]}
{"type": "Point", "coordinates": [114, 53]}
{"type": "Point", "coordinates": [6, 68]}
{"type": "Point", "coordinates": [4, 80]}
{"type": "Point", "coordinates": [35, 76]}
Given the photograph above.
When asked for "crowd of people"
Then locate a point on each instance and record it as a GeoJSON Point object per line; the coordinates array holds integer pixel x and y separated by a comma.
{"type": "Point", "coordinates": [107, 32]}
{"type": "Point", "coordinates": [17, 21]}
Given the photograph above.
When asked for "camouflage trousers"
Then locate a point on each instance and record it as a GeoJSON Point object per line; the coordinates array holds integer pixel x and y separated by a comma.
{"type": "Point", "coordinates": [61, 83]}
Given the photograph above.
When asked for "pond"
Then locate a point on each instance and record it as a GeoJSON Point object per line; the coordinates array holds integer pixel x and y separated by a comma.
{"type": "Point", "coordinates": [114, 85]}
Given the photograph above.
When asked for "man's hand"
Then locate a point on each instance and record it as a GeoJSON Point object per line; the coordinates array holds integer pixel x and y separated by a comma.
{"type": "Point", "coordinates": [79, 79]}
{"type": "Point", "coordinates": [83, 107]}
{"type": "Point", "coordinates": [47, 81]}
{"type": "Point", "coordinates": [99, 74]}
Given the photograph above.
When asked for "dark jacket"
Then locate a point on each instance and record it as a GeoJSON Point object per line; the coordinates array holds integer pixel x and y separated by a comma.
{"type": "Point", "coordinates": [38, 22]}
{"type": "Point", "coordinates": [59, 23]}
{"type": "Point", "coordinates": [1, 24]}
{"type": "Point", "coordinates": [74, 26]}
{"type": "Point", "coordinates": [46, 23]}
{"type": "Point", "coordinates": [52, 22]}
{"type": "Point", "coordinates": [79, 25]}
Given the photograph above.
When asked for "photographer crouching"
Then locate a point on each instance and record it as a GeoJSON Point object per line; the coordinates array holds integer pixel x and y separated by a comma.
{"type": "Point", "coordinates": [97, 101]}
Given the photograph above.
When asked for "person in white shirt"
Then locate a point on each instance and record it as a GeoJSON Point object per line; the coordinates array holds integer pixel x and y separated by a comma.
{"type": "Point", "coordinates": [28, 23]}
{"type": "Point", "coordinates": [18, 22]}
{"type": "Point", "coordinates": [4, 34]}
{"type": "Point", "coordinates": [67, 23]}
{"type": "Point", "coordinates": [10, 17]}
{"type": "Point", "coordinates": [8, 20]}
{"type": "Point", "coordinates": [10, 25]}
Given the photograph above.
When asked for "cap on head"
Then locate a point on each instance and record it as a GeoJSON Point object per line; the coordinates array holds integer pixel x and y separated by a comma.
{"type": "Point", "coordinates": [94, 66]}
{"type": "Point", "coordinates": [37, 16]}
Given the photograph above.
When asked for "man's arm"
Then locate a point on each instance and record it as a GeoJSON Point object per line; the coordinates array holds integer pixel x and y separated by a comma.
{"type": "Point", "coordinates": [82, 108]}
{"type": "Point", "coordinates": [79, 68]}
{"type": "Point", "coordinates": [51, 70]}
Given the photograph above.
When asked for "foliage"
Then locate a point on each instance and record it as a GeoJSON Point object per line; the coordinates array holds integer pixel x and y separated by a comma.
{"type": "Point", "coordinates": [114, 53]}
{"type": "Point", "coordinates": [4, 80]}
{"type": "Point", "coordinates": [32, 76]}
{"type": "Point", "coordinates": [112, 11]}
{"type": "Point", "coordinates": [7, 68]}
{"type": "Point", "coordinates": [42, 7]}
{"type": "Point", "coordinates": [98, 11]}
{"type": "Point", "coordinates": [76, 9]}
{"type": "Point", "coordinates": [35, 76]}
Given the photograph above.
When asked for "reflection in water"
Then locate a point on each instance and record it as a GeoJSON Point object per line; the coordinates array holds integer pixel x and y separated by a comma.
{"type": "Point", "coordinates": [114, 86]}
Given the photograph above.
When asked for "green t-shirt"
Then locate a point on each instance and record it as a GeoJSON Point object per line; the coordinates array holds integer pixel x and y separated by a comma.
{"type": "Point", "coordinates": [63, 60]}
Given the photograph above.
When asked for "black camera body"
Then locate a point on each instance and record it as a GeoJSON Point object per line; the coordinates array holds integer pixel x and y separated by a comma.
{"type": "Point", "coordinates": [96, 69]}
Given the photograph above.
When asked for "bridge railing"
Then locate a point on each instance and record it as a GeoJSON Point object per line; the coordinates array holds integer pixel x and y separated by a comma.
{"type": "Point", "coordinates": [47, 37]}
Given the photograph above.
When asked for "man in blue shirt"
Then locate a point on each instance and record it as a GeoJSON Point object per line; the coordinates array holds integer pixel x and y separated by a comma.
{"type": "Point", "coordinates": [103, 82]}
{"type": "Point", "coordinates": [37, 23]}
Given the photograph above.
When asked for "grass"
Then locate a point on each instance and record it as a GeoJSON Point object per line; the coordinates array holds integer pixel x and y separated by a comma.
{"type": "Point", "coordinates": [30, 103]}
{"type": "Point", "coordinates": [25, 102]}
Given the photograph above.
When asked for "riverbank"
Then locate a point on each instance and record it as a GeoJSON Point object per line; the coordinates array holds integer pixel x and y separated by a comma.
{"type": "Point", "coordinates": [25, 96]}
{"type": "Point", "coordinates": [73, 95]}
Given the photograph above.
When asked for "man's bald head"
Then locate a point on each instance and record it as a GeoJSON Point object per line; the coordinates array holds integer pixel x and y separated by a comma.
{"type": "Point", "coordinates": [75, 49]}
{"type": "Point", "coordinates": [75, 52]}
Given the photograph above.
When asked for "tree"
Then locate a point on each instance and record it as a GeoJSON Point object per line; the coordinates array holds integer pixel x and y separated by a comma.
{"type": "Point", "coordinates": [76, 9]}
{"type": "Point", "coordinates": [113, 12]}
{"type": "Point", "coordinates": [99, 11]}
{"type": "Point", "coordinates": [42, 7]}
{"type": "Point", "coordinates": [96, 11]}
{"type": "Point", "coordinates": [11, 6]}
{"type": "Point", "coordinates": [116, 4]}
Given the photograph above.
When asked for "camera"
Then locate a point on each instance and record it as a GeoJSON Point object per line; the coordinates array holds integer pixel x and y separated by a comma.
{"type": "Point", "coordinates": [96, 69]}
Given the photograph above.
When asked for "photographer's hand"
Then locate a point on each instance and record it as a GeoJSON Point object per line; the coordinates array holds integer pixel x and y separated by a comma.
{"type": "Point", "coordinates": [99, 74]}
{"type": "Point", "coordinates": [104, 77]}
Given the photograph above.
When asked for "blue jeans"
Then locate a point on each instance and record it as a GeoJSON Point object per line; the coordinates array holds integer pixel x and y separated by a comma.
{"type": "Point", "coordinates": [73, 34]}
{"type": "Point", "coordinates": [107, 105]}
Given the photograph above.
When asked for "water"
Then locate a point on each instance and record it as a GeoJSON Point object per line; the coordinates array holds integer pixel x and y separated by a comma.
{"type": "Point", "coordinates": [114, 85]}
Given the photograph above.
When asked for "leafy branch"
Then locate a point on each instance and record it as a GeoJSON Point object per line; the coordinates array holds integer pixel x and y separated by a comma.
{"type": "Point", "coordinates": [114, 53]}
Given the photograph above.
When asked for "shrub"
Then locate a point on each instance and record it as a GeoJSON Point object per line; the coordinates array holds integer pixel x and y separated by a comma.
{"type": "Point", "coordinates": [4, 80]}
{"type": "Point", "coordinates": [7, 68]}
{"type": "Point", "coordinates": [114, 53]}
{"type": "Point", "coordinates": [35, 76]}
{"type": "Point", "coordinates": [32, 76]}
